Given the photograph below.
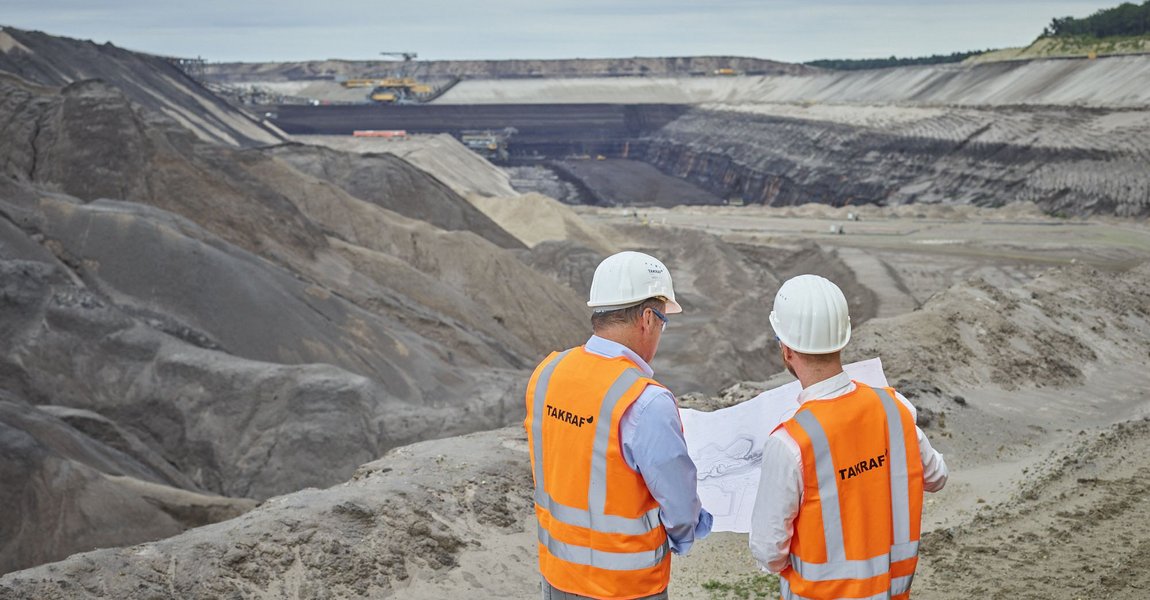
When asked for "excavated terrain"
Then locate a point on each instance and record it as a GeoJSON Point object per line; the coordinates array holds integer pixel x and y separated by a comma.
{"type": "Point", "coordinates": [236, 362]}
{"type": "Point", "coordinates": [1069, 135]}
{"type": "Point", "coordinates": [224, 325]}
{"type": "Point", "coordinates": [1066, 160]}
{"type": "Point", "coordinates": [149, 81]}
{"type": "Point", "coordinates": [192, 327]}
{"type": "Point", "coordinates": [455, 516]}
{"type": "Point", "coordinates": [249, 73]}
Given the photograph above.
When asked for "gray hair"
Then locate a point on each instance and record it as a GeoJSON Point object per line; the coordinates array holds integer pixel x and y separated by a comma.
{"type": "Point", "coordinates": [624, 316]}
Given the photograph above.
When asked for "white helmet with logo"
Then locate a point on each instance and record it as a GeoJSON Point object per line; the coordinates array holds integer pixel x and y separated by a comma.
{"type": "Point", "coordinates": [625, 279]}
{"type": "Point", "coordinates": [811, 316]}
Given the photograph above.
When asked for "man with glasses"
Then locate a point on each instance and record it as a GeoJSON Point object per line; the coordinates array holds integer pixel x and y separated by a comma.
{"type": "Point", "coordinates": [615, 491]}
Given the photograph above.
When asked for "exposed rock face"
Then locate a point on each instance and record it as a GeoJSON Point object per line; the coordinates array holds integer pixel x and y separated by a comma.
{"type": "Point", "coordinates": [149, 81]}
{"type": "Point", "coordinates": [1067, 160]}
{"type": "Point", "coordinates": [1068, 135]}
{"type": "Point", "coordinates": [504, 69]}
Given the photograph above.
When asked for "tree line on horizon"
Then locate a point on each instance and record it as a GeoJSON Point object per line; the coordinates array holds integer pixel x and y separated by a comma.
{"type": "Point", "coordinates": [858, 64]}
{"type": "Point", "coordinates": [1126, 19]}
{"type": "Point", "coordinates": [1123, 20]}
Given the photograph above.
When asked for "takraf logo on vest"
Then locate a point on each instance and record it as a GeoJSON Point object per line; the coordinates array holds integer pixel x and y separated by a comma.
{"type": "Point", "coordinates": [862, 467]}
{"type": "Point", "coordinates": [569, 418]}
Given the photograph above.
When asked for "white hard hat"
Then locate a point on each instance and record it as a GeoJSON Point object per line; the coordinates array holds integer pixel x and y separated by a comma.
{"type": "Point", "coordinates": [625, 279]}
{"type": "Point", "coordinates": [811, 315]}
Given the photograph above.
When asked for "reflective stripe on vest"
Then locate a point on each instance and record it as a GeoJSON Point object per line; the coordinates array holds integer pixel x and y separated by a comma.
{"type": "Point", "coordinates": [898, 585]}
{"type": "Point", "coordinates": [594, 517]}
{"type": "Point", "coordinates": [837, 565]}
{"type": "Point", "coordinates": [611, 561]}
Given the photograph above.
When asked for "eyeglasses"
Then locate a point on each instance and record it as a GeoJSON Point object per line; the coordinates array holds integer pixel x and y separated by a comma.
{"type": "Point", "coordinates": [662, 317]}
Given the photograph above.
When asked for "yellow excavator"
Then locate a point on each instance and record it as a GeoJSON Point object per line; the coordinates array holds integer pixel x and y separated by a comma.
{"type": "Point", "coordinates": [402, 88]}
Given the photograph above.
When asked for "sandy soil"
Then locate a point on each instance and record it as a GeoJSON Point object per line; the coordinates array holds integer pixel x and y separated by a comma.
{"type": "Point", "coordinates": [1025, 357]}
{"type": "Point", "coordinates": [1044, 463]}
{"type": "Point", "coordinates": [1101, 82]}
{"type": "Point", "coordinates": [1023, 339]}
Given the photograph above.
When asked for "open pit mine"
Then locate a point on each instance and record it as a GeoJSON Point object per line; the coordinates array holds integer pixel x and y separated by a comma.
{"type": "Point", "coordinates": [247, 353]}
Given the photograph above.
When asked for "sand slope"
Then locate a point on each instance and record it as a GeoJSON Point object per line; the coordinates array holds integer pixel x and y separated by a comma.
{"type": "Point", "coordinates": [464, 503]}
{"type": "Point", "coordinates": [1100, 82]}
{"type": "Point", "coordinates": [150, 81]}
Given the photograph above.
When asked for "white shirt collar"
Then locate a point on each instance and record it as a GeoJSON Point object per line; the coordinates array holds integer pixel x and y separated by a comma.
{"type": "Point", "coordinates": [832, 387]}
{"type": "Point", "coordinates": [609, 349]}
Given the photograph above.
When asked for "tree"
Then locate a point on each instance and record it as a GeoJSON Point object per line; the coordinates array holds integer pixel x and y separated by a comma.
{"type": "Point", "coordinates": [1125, 19]}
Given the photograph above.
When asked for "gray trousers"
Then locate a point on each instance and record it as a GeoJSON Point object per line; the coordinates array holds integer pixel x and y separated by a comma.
{"type": "Point", "coordinates": [550, 593]}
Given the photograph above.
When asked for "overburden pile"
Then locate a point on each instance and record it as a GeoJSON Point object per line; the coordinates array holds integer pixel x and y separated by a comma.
{"type": "Point", "coordinates": [199, 315]}
{"type": "Point", "coordinates": [189, 323]}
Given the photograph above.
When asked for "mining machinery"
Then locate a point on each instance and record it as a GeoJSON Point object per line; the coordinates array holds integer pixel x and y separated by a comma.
{"type": "Point", "coordinates": [402, 88]}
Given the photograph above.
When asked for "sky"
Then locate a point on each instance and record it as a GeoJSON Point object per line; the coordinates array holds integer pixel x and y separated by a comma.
{"type": "Point", "coordinates": [786, 30]}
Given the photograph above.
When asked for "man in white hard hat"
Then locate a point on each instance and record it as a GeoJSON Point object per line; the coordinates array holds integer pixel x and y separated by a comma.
{"type": "Point", "coordinates": [839, 505]}
{"type": "Point", "coordinates": [615, 491]}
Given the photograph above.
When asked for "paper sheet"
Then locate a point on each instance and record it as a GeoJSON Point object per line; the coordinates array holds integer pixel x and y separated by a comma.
{"type": "Point", "coordinates": [727, 445]}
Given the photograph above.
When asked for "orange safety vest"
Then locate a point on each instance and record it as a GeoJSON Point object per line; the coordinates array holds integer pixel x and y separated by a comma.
{"type": "Point", "coordinates": [599, 529]}
{"type": "Point", "coordinates": [857, 531]}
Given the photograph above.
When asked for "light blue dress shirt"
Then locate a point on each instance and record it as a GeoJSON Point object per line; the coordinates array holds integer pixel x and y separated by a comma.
{"type": "Point", "coordinates": [651, 434]}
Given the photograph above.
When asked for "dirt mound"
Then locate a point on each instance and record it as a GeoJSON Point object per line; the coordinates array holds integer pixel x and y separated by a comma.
{"type": "Point", "coordinates": [570, 263]}
{"type": "Point", "coordinates": [1068, 532]}
{"type": "Point", "coordinates": [534, 218]}
{"type": "Point", "coordinates": [466, 505]}
{"type": "Point", "coordinates": [632, 183]}
{"type": "Point", "coordinates": [90, 141]}
{"type": "Point", "coordinates": [149, 81]}
{"type": "Point", "coordinates": [441, 155]}
{"type": "Point", "coordinates": [727, 291]}
{"type": "Point", "coordinates": [531, 218]}
{"type": "Point", "coordinates": [256, 328]}
{"type": "Point", "coordinates": [69, 492]}
{"type": "Point", "coordinates": [444, 516]}
{"type": "Point", "coordinates": [391, 183]}
{"type": "Point", "coordinates": [222, 297]}
{"type": "Point", "coordinates": [146, 405]}
{"type": "Point", "coordinates": [1047, 333]}
{"type": "Point", "coordinates": [307, 226]}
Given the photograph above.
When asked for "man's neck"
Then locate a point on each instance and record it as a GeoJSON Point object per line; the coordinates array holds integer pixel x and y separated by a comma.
{"type": "Point", "coordinates": [633, 338]}
{"type": "Point", "coordinates": [619, 335]}
{"type": "Point", "coordinates": [812, 376]}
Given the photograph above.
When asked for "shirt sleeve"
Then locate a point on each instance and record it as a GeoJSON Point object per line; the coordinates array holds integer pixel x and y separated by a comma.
{"type": "Point", "coordinates": [934, 471]}
{"type": "Point", "coordinates": [651, 435]}
{"type": "Point", "coordinates": [776, 503]}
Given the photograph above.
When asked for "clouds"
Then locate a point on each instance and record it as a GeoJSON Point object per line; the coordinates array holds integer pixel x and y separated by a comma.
{"type": "Point", "coordinates": [788, 30]}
